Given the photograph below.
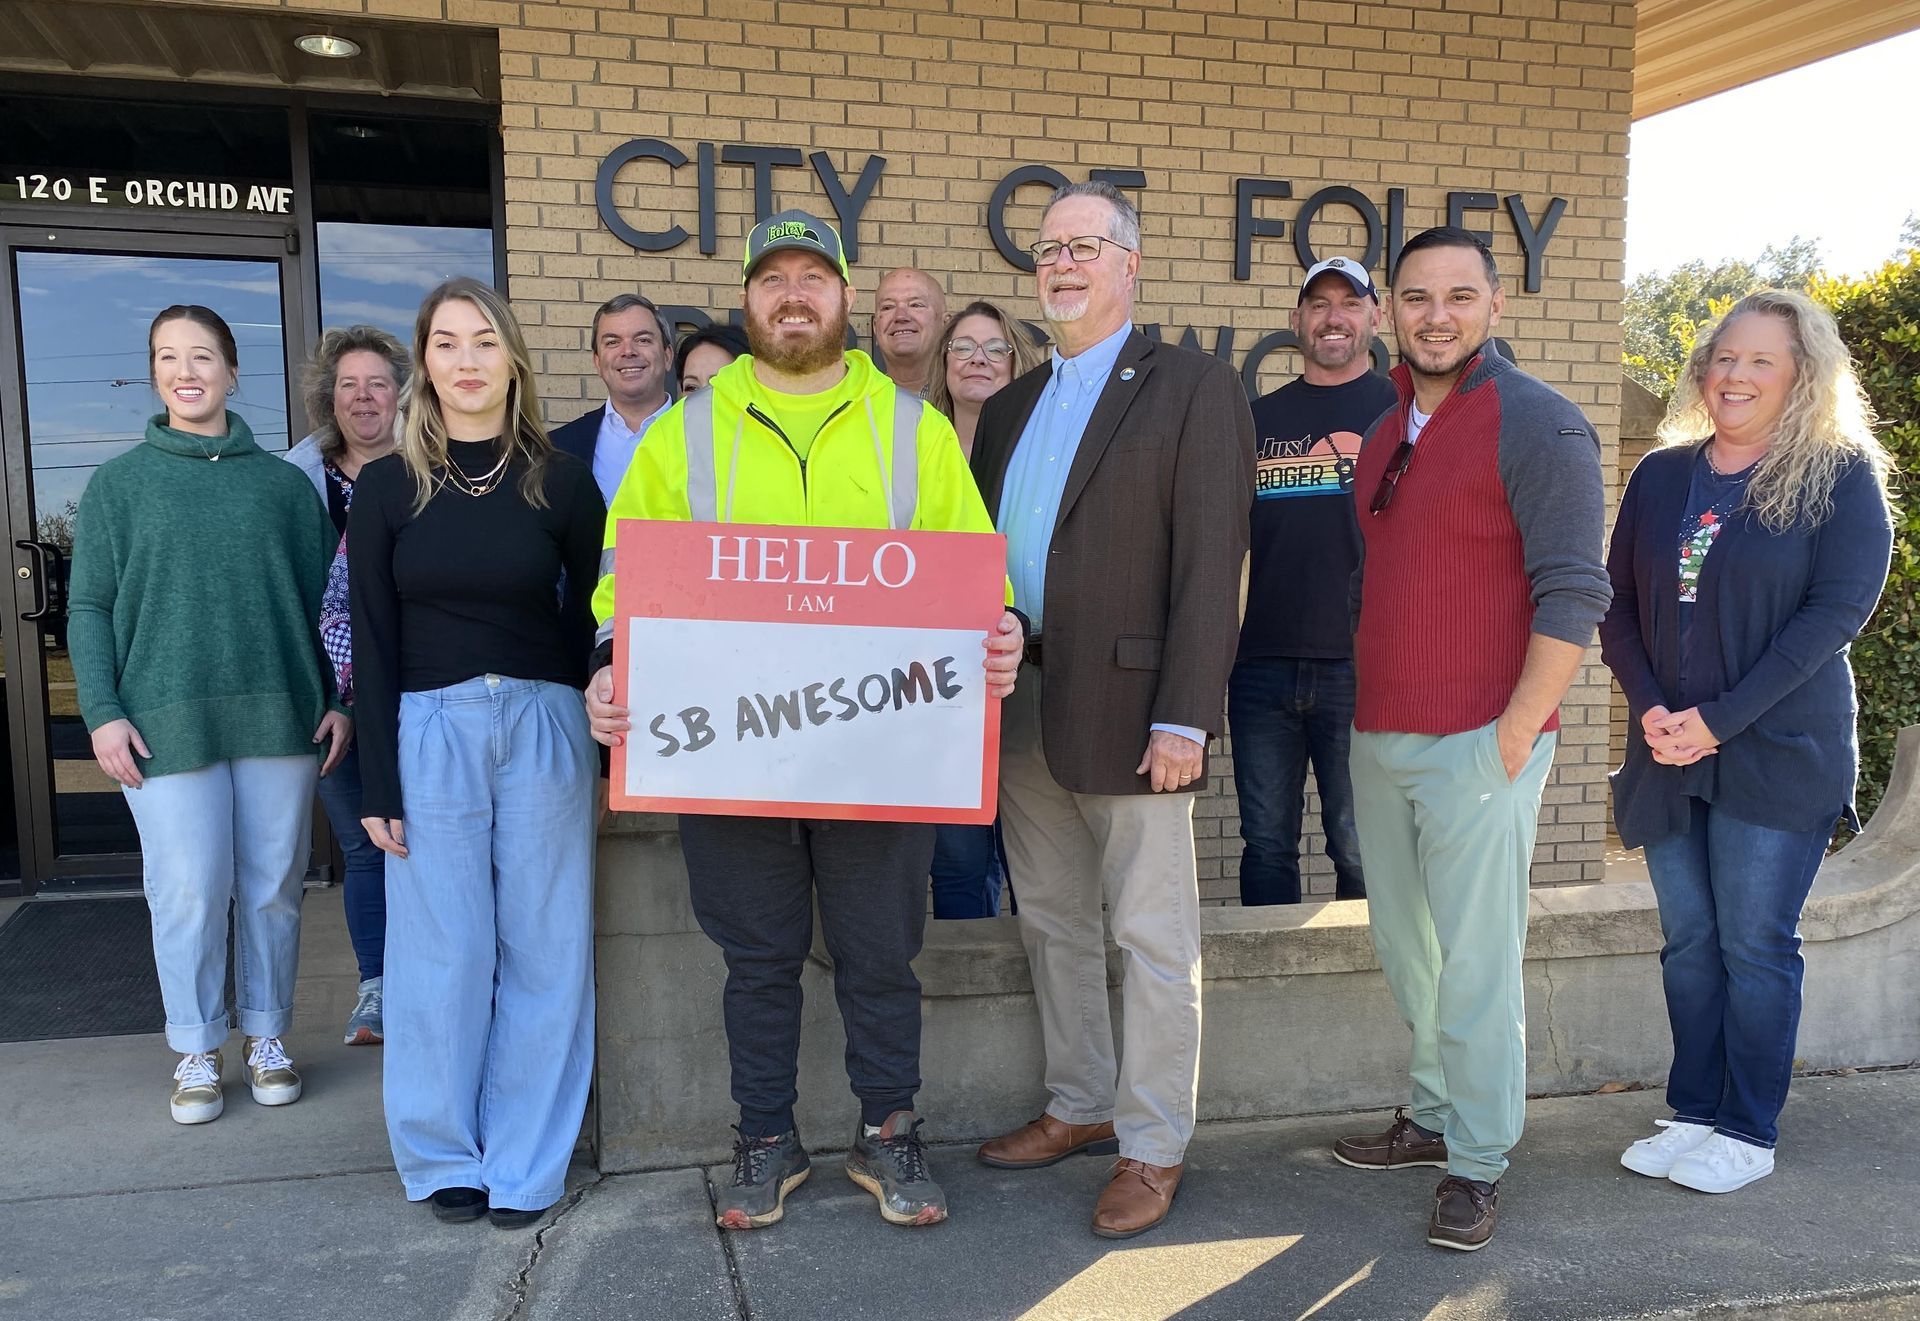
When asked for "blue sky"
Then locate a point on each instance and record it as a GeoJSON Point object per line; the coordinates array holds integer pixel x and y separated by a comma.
{"type": "Point", "coordinates": [1830, 151]}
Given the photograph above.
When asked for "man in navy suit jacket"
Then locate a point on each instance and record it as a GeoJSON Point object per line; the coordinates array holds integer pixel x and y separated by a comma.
{"type": "Point", "coordinates": [633, 352]}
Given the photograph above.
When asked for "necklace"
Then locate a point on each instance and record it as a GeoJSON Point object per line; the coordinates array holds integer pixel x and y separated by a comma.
{"type": "Point", "coordinates": [477, 486]}
{"type": "Point", "coordinates": [199, 445]}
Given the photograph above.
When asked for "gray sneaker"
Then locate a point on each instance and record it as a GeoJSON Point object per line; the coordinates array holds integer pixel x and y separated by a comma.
{"type": "Point", "coordinates": [765, 1170]}
{"type": "Point", "coordinates": [364, 1027]}
{"type": "Point", "coordinates": [891, 1163]}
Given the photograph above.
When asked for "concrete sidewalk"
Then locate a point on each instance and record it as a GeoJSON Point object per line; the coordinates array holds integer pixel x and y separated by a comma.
{"type": "Point", "coordinates": [109, 1211]}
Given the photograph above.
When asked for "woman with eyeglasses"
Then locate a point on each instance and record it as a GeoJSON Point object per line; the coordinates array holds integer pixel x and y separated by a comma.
{"type": "Point", "coordinates": [982, 349]}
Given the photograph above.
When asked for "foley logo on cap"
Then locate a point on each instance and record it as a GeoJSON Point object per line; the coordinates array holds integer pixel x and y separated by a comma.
{"type": "Point", "coordinates": [793, 229]}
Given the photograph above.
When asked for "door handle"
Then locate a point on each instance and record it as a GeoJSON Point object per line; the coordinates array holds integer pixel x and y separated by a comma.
{"type": "Point", "coordinates": [39, 575]}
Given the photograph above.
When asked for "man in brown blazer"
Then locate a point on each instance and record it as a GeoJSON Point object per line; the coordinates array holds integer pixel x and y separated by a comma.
{"type": "Point", "coordinates": [1121, 473]}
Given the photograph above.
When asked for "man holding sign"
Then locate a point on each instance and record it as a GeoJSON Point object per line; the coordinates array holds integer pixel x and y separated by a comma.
{"type": "Point", "coordinates": [1123, 475]}
{"type": "Point", "coordinates": [801, 434]}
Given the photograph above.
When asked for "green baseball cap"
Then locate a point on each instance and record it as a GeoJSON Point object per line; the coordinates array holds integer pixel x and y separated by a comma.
{"type": "Point", "coordinates": [794, 229]}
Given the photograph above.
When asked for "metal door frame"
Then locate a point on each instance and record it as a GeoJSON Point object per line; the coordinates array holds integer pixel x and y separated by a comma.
{"type": "Point", "coordinates": [54, 228]}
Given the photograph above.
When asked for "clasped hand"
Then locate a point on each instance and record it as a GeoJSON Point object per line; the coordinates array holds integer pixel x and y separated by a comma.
{"type": "Point", "coordinates": [1678, 738]}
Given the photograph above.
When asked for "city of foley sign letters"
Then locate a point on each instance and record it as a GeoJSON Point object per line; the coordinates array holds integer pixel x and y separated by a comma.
{"type": "Point", "coordinates": [806, 671]}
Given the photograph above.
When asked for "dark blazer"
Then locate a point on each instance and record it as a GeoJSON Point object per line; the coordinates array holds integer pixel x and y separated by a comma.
{"type": "Point", "coordinates": [1142, 613]}
{"type": "Point", "coordinates": [1768, 668]}
{"type": "Point", "coordinates": [579, 436]}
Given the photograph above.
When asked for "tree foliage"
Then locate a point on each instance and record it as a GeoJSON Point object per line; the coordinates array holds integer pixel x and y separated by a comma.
{"type": "Point", "coordinates": [1879, 317]}
{"type": "Point", "coordinates": [1665, 311]}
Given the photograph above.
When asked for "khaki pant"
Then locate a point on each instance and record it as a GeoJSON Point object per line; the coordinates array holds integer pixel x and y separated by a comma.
{"type": "Point", "coordinates": [1447, 842]}
{"type": "Point", "coordinates": [1066, 852]}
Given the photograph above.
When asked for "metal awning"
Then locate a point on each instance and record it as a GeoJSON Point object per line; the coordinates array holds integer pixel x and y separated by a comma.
{"type": "Point", "coordinates": [247, 47]}
{"type": "Point", "coordinates": [1685, 50]}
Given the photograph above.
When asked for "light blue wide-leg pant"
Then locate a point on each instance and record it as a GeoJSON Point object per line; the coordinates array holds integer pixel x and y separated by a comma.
{"type": "Point", "coordinates": [236, 832]}
{"type": "Point", "coordinates": [489, 970]}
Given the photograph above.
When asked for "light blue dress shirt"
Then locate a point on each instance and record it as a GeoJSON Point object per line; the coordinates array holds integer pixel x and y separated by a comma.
{"type": "Point", "coordinates": [1036, 479]}
{"type": "Point", "coordinates": [614, 448]}
{"type": "Point", "coordinates": [1037, 473]}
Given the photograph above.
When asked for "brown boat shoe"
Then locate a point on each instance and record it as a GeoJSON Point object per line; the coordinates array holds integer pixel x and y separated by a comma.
{"type": "Point", "coordinates": [1045, 1141]}
{"type": "Point", "coordinates": [1465, 1212]}
{"type": "Point", "coordinates": [1136, 1198]}
{"type": "Point", "coordinates": [1401, 1147]}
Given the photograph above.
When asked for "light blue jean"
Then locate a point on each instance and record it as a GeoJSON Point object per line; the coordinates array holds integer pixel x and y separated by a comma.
{"type": "Point", "coordinates": [236, 832]}
{"type": "Point", "coordinates": [489, 967]}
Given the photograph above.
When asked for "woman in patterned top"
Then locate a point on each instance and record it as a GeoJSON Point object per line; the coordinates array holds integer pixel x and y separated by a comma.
{"type": "Point", "coordinates": [1749, 552]}
{"type": "Point", "coordinates": [353, 388]}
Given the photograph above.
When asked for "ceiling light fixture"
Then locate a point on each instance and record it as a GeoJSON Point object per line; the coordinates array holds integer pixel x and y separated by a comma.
{"type": "Point", "coordinates": [327, 46]}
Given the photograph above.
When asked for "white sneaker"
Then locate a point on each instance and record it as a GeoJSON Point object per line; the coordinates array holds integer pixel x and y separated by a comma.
{"type": "Point", "coordinates": [1721, 1164]}
{"type": "Point", "coordinates": [1654, 1156]}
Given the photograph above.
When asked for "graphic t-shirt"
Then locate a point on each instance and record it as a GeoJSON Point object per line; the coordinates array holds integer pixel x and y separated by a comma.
{"type": "Point", "coordinates": [1711, 499]}
{"type": "Point", "coordinates": [1306, 542]}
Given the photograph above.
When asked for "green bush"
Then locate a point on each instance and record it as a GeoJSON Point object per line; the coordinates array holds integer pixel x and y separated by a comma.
{"type": "Point", "coordinates": [1879, 317]}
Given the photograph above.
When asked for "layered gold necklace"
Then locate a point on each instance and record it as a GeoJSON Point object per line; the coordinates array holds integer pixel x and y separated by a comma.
{"type": "Point", "coordinates": [477, 486]}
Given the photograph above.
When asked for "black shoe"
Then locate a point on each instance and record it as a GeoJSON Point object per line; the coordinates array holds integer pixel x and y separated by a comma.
{"type": "Point", "coordinates": [456, 1206]}
{"type": "Point", "coordinates": [765, 1170]}
{"type": "Point", "coordinates": [505, 1217]}
{"type": "Point", "coordinates": [892, 1165]}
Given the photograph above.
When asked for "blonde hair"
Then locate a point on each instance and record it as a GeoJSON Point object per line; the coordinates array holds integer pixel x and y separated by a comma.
{"type": "Point", "coordinates": [423, 438]}
{"type": "Point", "coordinates": [1026, 354]}
{"type": "Point", "coordinates": [1826, 425]}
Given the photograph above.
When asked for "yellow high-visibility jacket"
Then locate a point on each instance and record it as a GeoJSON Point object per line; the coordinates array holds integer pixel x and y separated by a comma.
{"type": "Point", "coordinates": [755, 475]}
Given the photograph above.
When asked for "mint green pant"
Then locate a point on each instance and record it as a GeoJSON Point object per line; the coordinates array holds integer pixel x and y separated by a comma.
{"type": "Point", "coordinates": [1446, 841]}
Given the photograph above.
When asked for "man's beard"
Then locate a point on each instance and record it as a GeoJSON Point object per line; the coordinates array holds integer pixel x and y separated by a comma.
{"type": "Point", "coordinates": [798, 356]}
{"type": "Point", "coordinates": [1319, 353]}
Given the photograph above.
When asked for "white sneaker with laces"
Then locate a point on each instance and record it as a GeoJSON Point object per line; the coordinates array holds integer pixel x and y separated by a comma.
{"type": "Point", "coordinates": [1654, 1156]}
{"type": "Point", "coordinates": [1721, 1164]}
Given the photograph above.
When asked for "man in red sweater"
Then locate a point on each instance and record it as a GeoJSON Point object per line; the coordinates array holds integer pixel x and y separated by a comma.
{"type": "Point", "coordinates": [1481, 582]}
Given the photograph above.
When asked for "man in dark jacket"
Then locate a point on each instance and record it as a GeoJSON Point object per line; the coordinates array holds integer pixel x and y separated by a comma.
{"type": "Point", "coordinates": [1121, 474]}
{"type": "Point", "coordinates": [633, 353]}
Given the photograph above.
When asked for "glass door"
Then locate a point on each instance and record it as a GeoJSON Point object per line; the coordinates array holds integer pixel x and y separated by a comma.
{"type": "Point", "coordinates": [74, 393]}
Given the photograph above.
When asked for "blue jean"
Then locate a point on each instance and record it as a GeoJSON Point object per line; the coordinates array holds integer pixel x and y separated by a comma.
{"type": "Point", "coordinates": [365, 886]}
{"type": "Point", "coordinates": [1730, 897]}
{"type": "Point", "coordinates": [235, 832]}
{"type": "Point", "coordinates": [1283, 713]}
{"type": "Point", "coordinates": [489, 981]}
{"type": "Point", "coordinates": [968, 867]}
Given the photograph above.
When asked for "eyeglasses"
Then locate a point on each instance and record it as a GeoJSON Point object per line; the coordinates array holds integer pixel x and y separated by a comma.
{"type": "Point", "coordinates": [997, 350]}
{"type": "Point", "coordinates": [1390, 479]}
{"type": "Point", "coordinates": [1083, 249]}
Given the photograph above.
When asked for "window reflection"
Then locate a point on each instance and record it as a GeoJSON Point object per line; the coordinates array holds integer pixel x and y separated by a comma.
{"type": "Point", "coordinates": [377, 274]}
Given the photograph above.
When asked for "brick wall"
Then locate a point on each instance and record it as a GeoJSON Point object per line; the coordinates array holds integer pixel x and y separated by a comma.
{"type": "Point", "coordinates": [1506, 96]}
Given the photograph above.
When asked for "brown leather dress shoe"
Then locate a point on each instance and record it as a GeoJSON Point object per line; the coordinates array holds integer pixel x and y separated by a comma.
{"type": "Point", "coordinates": [1045, 1141]}
{"type": "Point", "coordinates": [1136, 1198]}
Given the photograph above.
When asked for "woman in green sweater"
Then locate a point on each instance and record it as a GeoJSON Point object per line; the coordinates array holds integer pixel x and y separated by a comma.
{"type": "Point", "coordinates": [198, 564]}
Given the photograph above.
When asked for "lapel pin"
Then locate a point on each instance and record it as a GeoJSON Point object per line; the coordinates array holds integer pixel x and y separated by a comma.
{"type": "Point", "coordinates": [1126, 373]}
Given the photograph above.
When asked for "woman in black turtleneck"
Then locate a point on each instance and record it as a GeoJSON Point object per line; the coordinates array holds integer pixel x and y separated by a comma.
{"type": "Point", "coordinates": [475, 552]}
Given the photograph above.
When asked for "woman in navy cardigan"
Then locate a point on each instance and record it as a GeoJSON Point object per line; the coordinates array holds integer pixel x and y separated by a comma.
{"type": "Point", "coordinates": [1743, 566]}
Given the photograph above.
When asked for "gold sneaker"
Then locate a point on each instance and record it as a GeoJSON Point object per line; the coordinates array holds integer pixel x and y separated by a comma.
{"type": "Point", "coordinates": [270, 1074]}
{"type": "Point", "coordinates": [196, 1089]}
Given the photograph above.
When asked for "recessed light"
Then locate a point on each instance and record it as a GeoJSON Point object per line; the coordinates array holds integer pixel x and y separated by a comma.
{"type": "Point", "coordinates": [327, 46]}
